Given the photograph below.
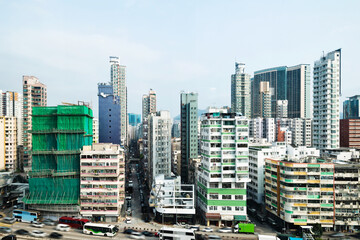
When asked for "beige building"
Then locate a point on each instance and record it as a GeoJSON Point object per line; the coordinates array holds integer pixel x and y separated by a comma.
{"type": "Point", "coordinates": [34, 94]}
{"type": "Point", "coordinates": [176, 156]}
{"type": "Point", "coordinates": [8, 143]}
{"type": "Point", "coordinates": [102, 186]}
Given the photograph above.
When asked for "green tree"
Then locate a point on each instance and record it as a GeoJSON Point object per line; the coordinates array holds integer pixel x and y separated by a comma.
{"type": "Point", "coordinates": [318, 231]}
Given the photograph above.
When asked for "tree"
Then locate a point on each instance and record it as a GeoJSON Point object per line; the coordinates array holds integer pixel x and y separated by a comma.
{"type": "Point", "coordinates": [317, 229]}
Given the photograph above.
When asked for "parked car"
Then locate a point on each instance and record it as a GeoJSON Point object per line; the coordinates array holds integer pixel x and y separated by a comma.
{"type": "Point", "coordinates": [38, 234]}
{"type": "Point", "coordinates": [9, 220]}
{"type": "Point", "coordinates": [148, 234]}
{"type": "Point", "coordinates": [225, 230]}
{"type": "Point", "coordinates": [137, 235]}
{"type": "Point", "coordinates": [208, 229]}
{"type": "Point", "coordinates": [5, 230]}
{"type": "Point", "coordinates": [56, 235]}
{"type": "Point", "coordinates": [63, 227]}
{"type": "Point", "coordinates": [49, 222]}
{"type": "Point", "coordinates": [37, 224]}
{"type": "Point", "coordinates": [9, 237]}
{"type": "Point", "coordinates": [22, 232]}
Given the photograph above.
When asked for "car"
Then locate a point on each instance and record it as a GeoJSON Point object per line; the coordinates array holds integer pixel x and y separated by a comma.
{"type": "Point", "coordinates": [5, 230]}
{"type": "Point", "coordinates": [129, 231]}
{"type": "Point", "coordinates": [63, 227]}
{"type": "Point", "coordinates": [147, 234]}
{"type": "Point", "coordinates": [22, 232]}
{"type": "Point", "coordinates": [128, 221]}
{"type": "Point", "coordinates": [9, 237]}
{"type": "Point", "coordinates": [195, 228]}
{"type": "Point", "coordinates": [214, 237]}
{"type": "Point", "coordinates": [49, 222]}
{"type": "Point", "coordinates": [137, 235]}
{"type": "Point", "coordinates": [225, 230]}
{"type": "Point", "coordinates": [56, 235]}
{"type": "Point", "coordinates": [38, 234]}
{"type": "Point", "coordinates": [208, 229]}
{"type": "Point", "coordinates": [37, 224]}
{"type": "Point", "coordinates": [8, 220]}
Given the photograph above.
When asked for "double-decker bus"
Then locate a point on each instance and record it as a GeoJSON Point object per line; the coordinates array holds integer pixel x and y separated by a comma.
{"type": "Point", "coordinates": [100, 229]}
{"type": "Point", "coordinates": [167, 233]}
{"type": "Point", "coordinates": [25, 215]}
{"type": "Point", "coordinates": [73, 222]}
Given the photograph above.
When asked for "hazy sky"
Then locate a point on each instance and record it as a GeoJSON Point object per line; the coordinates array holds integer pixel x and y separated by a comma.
{"type": "Point", "coordinates": [169, 45]}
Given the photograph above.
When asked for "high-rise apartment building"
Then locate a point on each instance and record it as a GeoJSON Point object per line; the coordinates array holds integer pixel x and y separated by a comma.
{"type": "Point", "coordinates": [189, 131]}
{"type": "Point", "coordinates": [351, 107]}
{"type": "Point", "coordinates": [148, 104]}
{"type": "Point", "coordinates": [118, 81]}
{"type": "Point", "coordinates": [34, 95]}
{"type": "Point", "coordinates": [240, 91]}
{"type": "Point", "coordinates": [282, 108]}
{"type": "Point", "coordinates": [265, 100]}
{"type": "Point", "coordinates": [327, 86]}
{"type": "Point", "coordinates": [102, 182]}
{"type": "Point", "coordinates": [109, 115]}
{"type": "Point", "coordinates": [285, 83]}
{"type": "Point", "coordinates": [95, 130]}
{"type": "Point", "coordinates": [58, 134]}
{"type": "Point", "coordinates": [8, 143]}
{"type": "Point", "coordinates": [159, 145]}
{"type": "Point", "coordinates": [224, 170]}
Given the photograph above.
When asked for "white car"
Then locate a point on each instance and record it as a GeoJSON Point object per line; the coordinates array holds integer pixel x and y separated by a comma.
{"type": "Point", "coordinates": [63, 227]}
{"type": "Point", "coordinates": [137, 235]}
{"type": "Point", "coordinates": [128, 221]}
{"type": "Point", "coordinates": [225, 230]}
{"type": "Point", "coordinates": [37, 224]}
{"type": "Point", "coordinates": [208, 229]}
{"type": "Point", "coordinates": [8, 220]}
{"type": "Point", "coordinates": [38, 234]}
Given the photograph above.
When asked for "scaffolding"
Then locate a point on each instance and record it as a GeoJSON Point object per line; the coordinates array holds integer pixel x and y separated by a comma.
{"type": "Point", "coordinates": [58, 134]}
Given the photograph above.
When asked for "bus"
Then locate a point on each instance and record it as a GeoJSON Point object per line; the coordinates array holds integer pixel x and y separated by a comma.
{"type": "Point", "coordinates": [25, 215]}
{"type": "Point", "coordinates": [73, 222]}
{"type": "Point", "coordinates": [167, 233]}
{"type": "Point", "coordinates": [100, 229]}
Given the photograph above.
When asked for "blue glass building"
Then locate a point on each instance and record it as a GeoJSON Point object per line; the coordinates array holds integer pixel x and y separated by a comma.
{"type": "Point", "coordinates": [351, 107]}
{"type": "Point", "coordinates": [109, 115]}
{"type": "Point", "coordinates": [134, 119]}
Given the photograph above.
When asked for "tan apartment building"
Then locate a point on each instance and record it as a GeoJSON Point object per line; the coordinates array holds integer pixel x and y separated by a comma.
{"type": "Point", "coordinates": [8, 143]}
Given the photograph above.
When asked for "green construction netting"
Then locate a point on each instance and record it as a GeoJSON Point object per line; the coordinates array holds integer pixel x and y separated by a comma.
{"type": "Point", "coordinates": [41, 123]}
{"type": "Point", "coordinates": [69, 163]}
{"type": "Point", "coordinates": [53, 191]}
{"type": "Point", "coordinates": [43, 162]}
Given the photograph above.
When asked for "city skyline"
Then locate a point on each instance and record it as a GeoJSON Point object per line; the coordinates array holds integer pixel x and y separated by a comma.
{"type": "Point", "coordinates": [70, 53]}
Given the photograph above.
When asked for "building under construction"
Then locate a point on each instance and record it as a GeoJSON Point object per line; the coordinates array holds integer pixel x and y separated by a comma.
{"type": "Point", "coordinates": [58, 134]}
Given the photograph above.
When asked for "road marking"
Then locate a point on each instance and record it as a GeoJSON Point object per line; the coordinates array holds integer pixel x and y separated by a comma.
{"type": "Point", "coordinates": [6, 224]}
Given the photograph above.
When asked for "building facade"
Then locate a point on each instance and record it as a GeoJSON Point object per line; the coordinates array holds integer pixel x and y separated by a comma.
{"type": "Point", "coordinates": [189, 131]}
{"type": "Point", "coordinates": [58, 134]}
{"type": "Point", "coordinates": [95, 130]}
{"type": "Point", "coordinates": [148, 104]}
{"type": "Point", "coordinates": [34, 95]}
{"type": "Point", "coordinates": [176, 156]}
{"type": "Point", "coordinates": [282, 108]}
{"type": "Point", "coordinates": [159, 145]}
{"type": "Point", "coordinates": [224, 170]}
{"type": "Point", "coordinates": [8, 143]}
{"type": "Point", "coordinates": [109, 115]}
{"type": "Point", "coordinates": [102, 186]}
{"type": "Point", "coordinates": [327, 88]}
{"type": "Point", "coordinates": [350, 133]}
{"type": "Point", "coordinates": [351, 107]}
{"type": "Point", "coordinates": [134, 119]}
{"type": "Point", "coordinates": [240, 91]}
{"type": "Point", "coordinates": [118, 81]}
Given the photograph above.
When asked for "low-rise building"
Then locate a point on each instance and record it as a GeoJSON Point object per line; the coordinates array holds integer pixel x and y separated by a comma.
{"type": "Point", "coordinates": [173, 202]}
{"type": "Point", "coordinates": [102, 187]}
{"type": "Point", "coordinates": [350, 133]}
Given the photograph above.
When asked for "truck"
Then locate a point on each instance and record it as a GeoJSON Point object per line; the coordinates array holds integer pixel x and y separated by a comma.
{"type": "Point", "coordinates": [244, 228]}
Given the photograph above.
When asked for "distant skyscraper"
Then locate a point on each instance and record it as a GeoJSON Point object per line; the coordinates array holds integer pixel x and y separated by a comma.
{"type": "Point", "coordinates": [109, 115]}
{"type": "Point", "coordinates": [298, 91]}
{"type": "Point", "coordinates": [327, 85]}
{"type": "Point", "coordinates": [34, 95]}
{"type": "Point", "coordinates": [189, 131]}
{"type": "Point", "coordinates": [118, 80]}
{"type": "Point", "coordinates": [351, 107]}
{"type": "Point", "coordinates": [148, 104]}
{"type": "Point", "coordinates": [240, 91]}
{"type": "Point", "coordinates": [134, 119]}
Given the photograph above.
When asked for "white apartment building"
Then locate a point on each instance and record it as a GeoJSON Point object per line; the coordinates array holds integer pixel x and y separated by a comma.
{"type": "Point", "coordinates": [224, 169]}
{"type": "Point", "coordinates": [282, 108]}
{"type": "Point", "coordinates": [327, 88]}
{"type": "Point", "coordinates": [8, 143]}
{"type": "Point", "coordinates": [159, 137]}
{"type": "Point", "coordinates": [95, 130]}
{"type": "Point", "coordinates": [173, 202]}
{"type": "Point", "coordinates": [277, 150]}
{"type": "Point", "coordinates": [102, 182]}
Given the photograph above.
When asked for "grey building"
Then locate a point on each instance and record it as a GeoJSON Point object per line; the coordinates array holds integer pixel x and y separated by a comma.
{"type": "Point", "coordinates": [189, 131]}
{"type": "Point", "coordinates": [240, 91]}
